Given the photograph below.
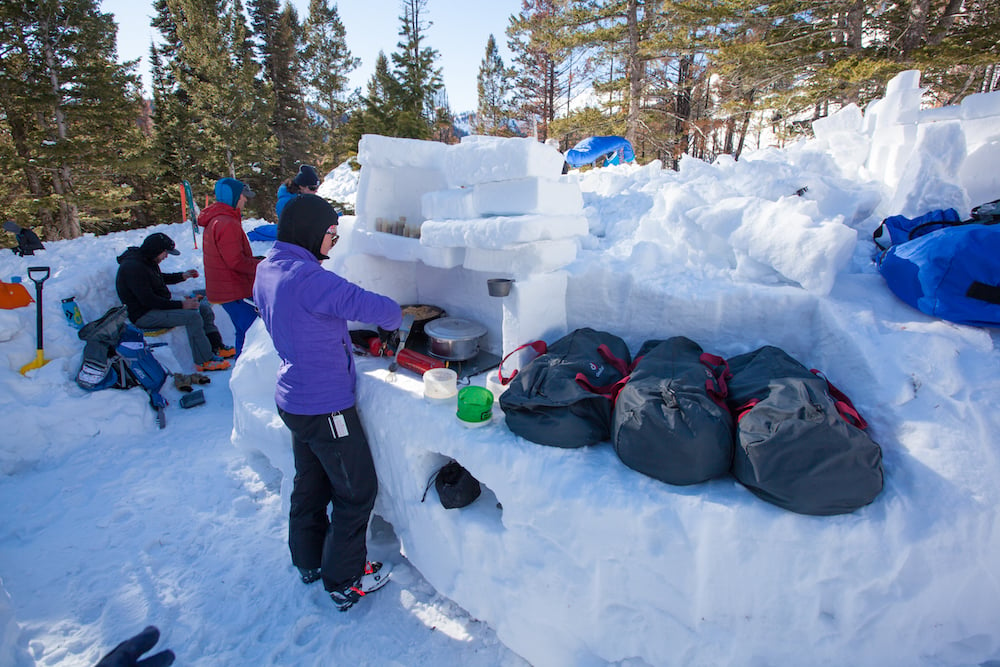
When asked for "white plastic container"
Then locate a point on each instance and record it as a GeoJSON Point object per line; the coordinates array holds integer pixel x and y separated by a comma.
{"type": "Point", "coordinates": [440, 385]}
{"type": "Point", "coordinates": [494, 385]}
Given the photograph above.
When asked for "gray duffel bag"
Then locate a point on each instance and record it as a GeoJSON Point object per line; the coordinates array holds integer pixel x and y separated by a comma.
{"type": "Point", "coordinates": [800, 443]}
{"type": "Point", "coordinates": [670, 418]}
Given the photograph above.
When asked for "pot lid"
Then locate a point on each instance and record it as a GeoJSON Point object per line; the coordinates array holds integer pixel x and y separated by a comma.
{"type": "Point", "coordinates": [454, 328]}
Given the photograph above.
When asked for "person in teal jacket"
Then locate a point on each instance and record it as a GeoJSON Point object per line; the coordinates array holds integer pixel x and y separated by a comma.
{"type": "Point", "coordinates": [303, 183]}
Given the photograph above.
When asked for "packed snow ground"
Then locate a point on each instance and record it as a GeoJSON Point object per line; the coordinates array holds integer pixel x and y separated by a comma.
{"type": "Point", "coordinates": [112, 524]}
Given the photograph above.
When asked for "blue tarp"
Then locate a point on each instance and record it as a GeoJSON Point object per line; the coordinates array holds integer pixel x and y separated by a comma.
{"type": "Point", "coordinates": [614, 150]}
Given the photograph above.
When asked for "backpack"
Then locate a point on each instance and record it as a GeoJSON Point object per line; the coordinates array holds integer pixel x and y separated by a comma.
{"type": "Point", "coordinates": [117, 356]}
{"type": "Point", "coordinates": [800, 443]}
{"type": "Point", "coordinates": [670, 418]}
{"type": "Point", "coordinates": [899, 229]}
{"type": "Point", "coordinates": [564, 397]}
{"type": "Point", "coordinates": [952, 273]}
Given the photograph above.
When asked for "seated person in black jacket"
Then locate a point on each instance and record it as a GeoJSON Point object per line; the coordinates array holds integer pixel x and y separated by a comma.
{"type": "Point", "coordinates": [143, 289]}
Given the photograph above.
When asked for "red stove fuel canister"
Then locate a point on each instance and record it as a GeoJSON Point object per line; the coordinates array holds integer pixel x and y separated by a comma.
{"type": "Point", "coordinates": [416, 362]}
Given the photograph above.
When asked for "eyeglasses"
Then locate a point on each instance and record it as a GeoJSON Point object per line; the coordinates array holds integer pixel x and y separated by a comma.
{"type": "Point", "coordinates": [312, 188]}
{"type": "Point", "coordinates": [334, 236]}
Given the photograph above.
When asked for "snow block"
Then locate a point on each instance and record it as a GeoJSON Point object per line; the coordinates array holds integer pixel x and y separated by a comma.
{"type": "Point", "coordinates": [480, 159]}
{"type": "Point", "coordinates": [524, 259]}
{"type": "Point", "coordinates": [377, 151]}
{"type": "Point", "coordinates": [501, 232]}
{"type": "Point", "coordinates": [453, 204]}
{"type": "Point", "coordinates": [527, 195]}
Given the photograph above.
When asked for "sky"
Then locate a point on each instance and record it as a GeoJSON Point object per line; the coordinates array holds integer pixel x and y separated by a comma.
{"type": "Point", "coordinates": [459, 36]}
{"type": "Point", "coordinates": [568, 557]}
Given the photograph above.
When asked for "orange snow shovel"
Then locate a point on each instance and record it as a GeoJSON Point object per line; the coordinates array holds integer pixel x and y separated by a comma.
{"type": "Point", "coordinates": [40, 360]}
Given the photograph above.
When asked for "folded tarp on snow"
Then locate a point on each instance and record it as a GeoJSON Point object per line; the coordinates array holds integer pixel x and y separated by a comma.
{"type": "Point", "coordinates": [615, 149]}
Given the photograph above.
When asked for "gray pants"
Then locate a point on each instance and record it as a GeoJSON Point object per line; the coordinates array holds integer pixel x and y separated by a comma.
{"type": "Point", "coordinates": [199, 323]}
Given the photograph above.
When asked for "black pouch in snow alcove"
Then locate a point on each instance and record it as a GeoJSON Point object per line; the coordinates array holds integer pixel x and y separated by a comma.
{"type": "Point", "coordinates": [455, 485]}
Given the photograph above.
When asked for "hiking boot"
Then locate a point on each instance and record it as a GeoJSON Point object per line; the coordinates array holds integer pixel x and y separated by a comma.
{"type": "Point", "coordinates": [225, 352]}
{"type": "Point", "coordinates": [213, 364]}
{"type": "Point", "coordinates": [373, 578]}
{"type": "Point", "coordinates": [309, 576]}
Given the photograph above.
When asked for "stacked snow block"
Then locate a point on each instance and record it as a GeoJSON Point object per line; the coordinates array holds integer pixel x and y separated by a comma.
{"type": "Point", "coordinates": [490, 204]}
{"type": "Point", "coordinates": [800, 443]}
{"type": "Point", "coordinates": [670, 418]}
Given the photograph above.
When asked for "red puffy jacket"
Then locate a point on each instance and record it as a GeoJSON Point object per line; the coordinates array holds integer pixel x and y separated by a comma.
{"type": "Point", "coordinates": [230, 266]}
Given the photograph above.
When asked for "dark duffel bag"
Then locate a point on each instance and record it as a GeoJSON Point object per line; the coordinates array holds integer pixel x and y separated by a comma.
{"type": "Point", "coordinates": [563, 398]}
{"type": "Point", "coordinates": [800, 443]}
{"type": "Point", "coordinates": [670, 418]}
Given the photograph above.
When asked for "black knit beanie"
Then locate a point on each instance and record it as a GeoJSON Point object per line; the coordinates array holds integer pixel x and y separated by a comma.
{"type": "Point", "coordinates": [303, 222]}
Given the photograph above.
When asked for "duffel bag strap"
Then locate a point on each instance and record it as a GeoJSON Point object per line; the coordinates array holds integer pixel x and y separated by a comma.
{"type": "Point", "coordinates": [844, 405]}
{"type": "Point", "coordinates": [717, 386]}
{"type": "Point", "coordinates": [609, 391]}
{"type": "Point", "coordinates": [538, 346]}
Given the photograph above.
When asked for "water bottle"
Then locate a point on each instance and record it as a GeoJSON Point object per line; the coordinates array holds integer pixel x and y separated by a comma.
{"type": "Point", "coordinates": [72, 312]}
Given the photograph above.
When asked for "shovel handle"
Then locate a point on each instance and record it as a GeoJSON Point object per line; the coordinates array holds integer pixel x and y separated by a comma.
{"type": "Point", "coordinates": [39, 270]}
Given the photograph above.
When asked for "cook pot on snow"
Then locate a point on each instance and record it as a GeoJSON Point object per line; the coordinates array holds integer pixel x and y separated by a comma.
{"type": "Point", "coordinates": [454, 338]}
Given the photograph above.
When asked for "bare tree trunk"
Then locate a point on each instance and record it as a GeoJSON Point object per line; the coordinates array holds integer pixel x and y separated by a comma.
{"type": "Point", "coordinates": [636, 73]}
{"type": "Point", "coordinates": [954, 8]}
{"type": "Point", "coordinates": [68, 225]}
{"type": "Point", "coordinates": [682, 102]}
{"type": "Point", "coordinates": [916, 26]}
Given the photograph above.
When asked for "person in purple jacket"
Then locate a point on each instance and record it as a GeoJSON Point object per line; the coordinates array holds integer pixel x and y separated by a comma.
{"type": "Point", "coordinates": [305, 309]}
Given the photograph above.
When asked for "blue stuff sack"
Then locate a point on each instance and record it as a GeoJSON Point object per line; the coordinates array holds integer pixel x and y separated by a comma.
{"type": "Point", "coordinates": [952, 273]}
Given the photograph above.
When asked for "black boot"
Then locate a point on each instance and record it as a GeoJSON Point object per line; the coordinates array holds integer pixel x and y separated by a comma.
{"type": "Point", "coordinates": [215, 338]}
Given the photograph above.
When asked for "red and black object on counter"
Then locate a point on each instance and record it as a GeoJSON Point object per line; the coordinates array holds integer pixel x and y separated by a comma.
{"type": "Point", "coordinates": [370, 343]}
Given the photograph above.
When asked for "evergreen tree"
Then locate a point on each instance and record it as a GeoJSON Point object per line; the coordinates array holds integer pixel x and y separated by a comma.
{"type": "Point", "coordinates": [540, 55]}
{"type": "Point", "coordinates": [278, 34]}
{"type": "Point", "coordinates": [494, 85]}
{"type": "Point", "coordinates": [213, 74]}
{"type": "Point", "coordinates": [326, 64]}
{"type": "Point", "coordinates": [69, 115]}
{"type": "Point", "coordinates": [415, 73]}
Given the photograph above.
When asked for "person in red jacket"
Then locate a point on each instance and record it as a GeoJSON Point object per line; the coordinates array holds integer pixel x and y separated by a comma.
{"type": "Point", "coordinates": [230, 265]}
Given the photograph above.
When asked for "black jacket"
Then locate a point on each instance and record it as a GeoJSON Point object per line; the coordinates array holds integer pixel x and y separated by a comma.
{"type": "Point", "coordinates": [142, 287]}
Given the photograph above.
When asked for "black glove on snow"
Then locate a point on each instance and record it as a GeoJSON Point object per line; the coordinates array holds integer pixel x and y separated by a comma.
{"type": "Point", "coordinates": [127, 653]}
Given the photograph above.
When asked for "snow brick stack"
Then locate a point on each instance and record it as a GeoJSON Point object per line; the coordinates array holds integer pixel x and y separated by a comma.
{"type": "Point", "coordinates": [488, 207]}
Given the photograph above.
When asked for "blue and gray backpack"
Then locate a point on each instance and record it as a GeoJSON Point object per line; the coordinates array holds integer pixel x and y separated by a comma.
{"type": "Point", "coordinates": [117, 356]}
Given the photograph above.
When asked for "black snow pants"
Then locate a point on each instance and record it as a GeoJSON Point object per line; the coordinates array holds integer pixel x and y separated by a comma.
{"type": "Point", "coordinates": [333, 464]}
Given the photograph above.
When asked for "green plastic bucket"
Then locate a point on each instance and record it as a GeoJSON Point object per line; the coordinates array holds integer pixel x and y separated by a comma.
{"type": "Point", "coordinates": [475, 405]}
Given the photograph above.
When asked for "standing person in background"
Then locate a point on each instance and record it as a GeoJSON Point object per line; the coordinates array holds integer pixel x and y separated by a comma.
{"type": "Point", "coordinates": [303, 183]}
{"type": "Point", "coordinates": [306, 309]}
{"type": "Point", "coordinates": [230, 266]}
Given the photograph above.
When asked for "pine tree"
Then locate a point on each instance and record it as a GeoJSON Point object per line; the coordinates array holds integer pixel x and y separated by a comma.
{"type": "Point", "coordinates": [494, 85]}
{"type": "Point", "coordinates": [326, 64]}
{"type": "Point", "coordinates": [278, 34]}
{"type": "Point", "coordinates": [415, 73]}
{"type": "Point", "coordinates": [69, 116]}
{"type": "Point", "coordinates": [221, 96]}
{"type": "Point", "coordinates": [540, 55]}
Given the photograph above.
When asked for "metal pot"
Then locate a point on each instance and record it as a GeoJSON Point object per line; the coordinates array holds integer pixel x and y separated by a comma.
{"type": "Point", "coordinates": [454, 338]}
